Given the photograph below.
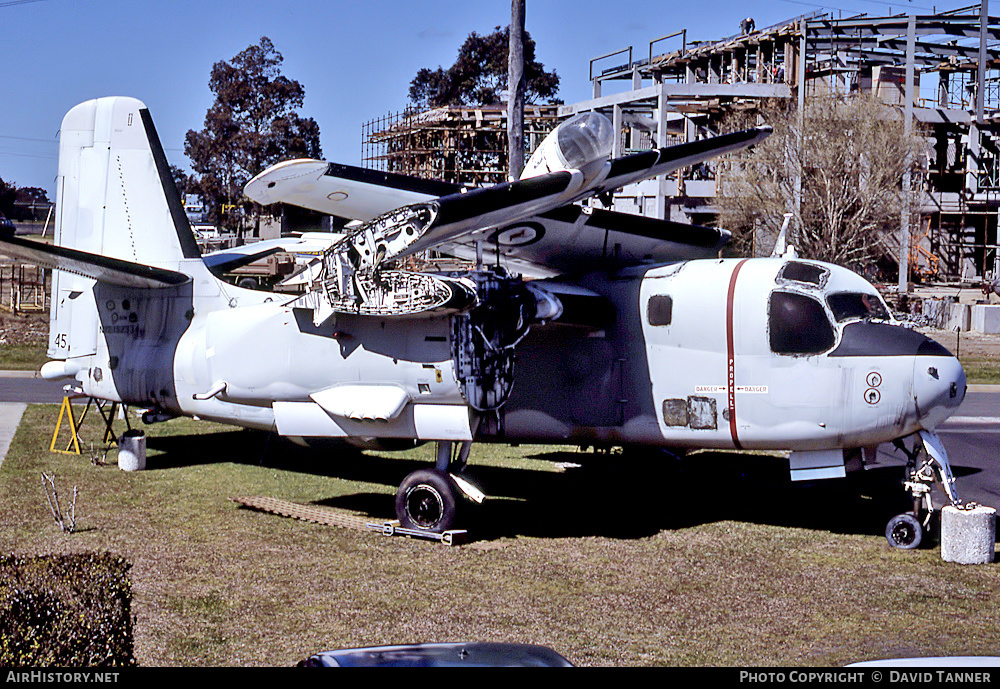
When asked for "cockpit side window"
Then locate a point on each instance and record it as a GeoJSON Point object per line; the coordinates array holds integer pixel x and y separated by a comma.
{"type": "Point", "coordinates": [849, 305]}
{"type": "Point", "coordinates": [798, 325]}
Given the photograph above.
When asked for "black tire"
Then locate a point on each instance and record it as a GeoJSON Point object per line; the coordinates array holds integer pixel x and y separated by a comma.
{"type": "Point", "coordinates": [427, 500]}
{"type": "Point", "coordinates": [248, 283]}
{"type": "Point", "coordinates": [904, 531]}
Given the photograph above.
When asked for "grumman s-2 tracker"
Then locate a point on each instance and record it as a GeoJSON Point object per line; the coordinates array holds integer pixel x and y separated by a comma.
{"type": "Point", "coordinates": [578, 326]}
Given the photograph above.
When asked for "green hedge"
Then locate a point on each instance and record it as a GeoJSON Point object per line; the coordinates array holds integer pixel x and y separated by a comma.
{"type": "Point", "coordinates": [66, 611]}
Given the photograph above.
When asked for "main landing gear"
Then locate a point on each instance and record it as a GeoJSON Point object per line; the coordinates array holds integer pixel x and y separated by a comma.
{"type": "Point", "coordinates": [926, 463]}
{"type": "Point", "coordinates": [432, 499]}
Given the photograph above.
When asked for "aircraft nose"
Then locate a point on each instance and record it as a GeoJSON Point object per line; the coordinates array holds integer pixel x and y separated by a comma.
{"type": "Point", "coordinates": [938, 379]}
{"type": "Point", "coordinates": [938, 388]}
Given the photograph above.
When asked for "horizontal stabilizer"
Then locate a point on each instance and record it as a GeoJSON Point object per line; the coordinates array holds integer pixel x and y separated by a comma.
{"type": "Point", "coordinates": [112, 271]}
{"type": "Point", "coordinates": [229, 260]}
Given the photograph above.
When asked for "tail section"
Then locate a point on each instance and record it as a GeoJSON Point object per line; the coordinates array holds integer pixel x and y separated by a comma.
{"type": "Point", "coordinates": [115, 198]}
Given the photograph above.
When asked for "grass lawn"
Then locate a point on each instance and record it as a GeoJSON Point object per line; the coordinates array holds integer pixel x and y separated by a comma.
{"type": "Point", "coordinates": [715, 560]}
{"type": "Point", "coordinates": [22, 357]}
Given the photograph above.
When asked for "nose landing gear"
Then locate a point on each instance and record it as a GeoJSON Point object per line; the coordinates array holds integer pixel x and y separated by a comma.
{"type": "Point", "coordinates": [904, 531]}
{"type": "Point", "coordinates": [926, 463]}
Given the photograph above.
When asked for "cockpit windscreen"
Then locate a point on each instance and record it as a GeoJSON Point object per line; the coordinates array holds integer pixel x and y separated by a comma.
{"type": "Point", "coordinates": [850, 305]}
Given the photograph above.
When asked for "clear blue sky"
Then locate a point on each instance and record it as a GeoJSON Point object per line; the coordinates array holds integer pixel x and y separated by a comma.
{"type": "Point", "coordinates": [354, 58]}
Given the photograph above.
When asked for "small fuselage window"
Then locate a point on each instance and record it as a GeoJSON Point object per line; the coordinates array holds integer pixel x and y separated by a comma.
{"type": "Point", "coordinates": [849, 305]}
{"type": "Point", "coordinates": [798, 324]}
{"type": "Point", "coordinates": [660, 310]}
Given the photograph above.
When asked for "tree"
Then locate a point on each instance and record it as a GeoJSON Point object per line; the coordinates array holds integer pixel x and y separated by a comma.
{"type": "Point", "coordinates": [838, 168]}
{"type": "Point", "coordinates": [8, 194]}
{"type": "Point", "coordinates": [479, 75]}
{"type": "Point", "coordinates": [182, 180]}
{"type": "Point", "coordinates": [252, 124]}
{"type": "Point", "coordinates": [32, 195]}
{"type": "Point", "coordinates": [17, 203]}
{"type": "Point", "coordinates": [32, 204]}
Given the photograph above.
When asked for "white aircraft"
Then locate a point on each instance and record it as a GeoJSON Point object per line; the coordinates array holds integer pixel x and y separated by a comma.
{"type": "Point", "coordinates": [634, 333]}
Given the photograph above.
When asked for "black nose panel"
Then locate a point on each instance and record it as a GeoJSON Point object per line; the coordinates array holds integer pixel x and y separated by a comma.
{"type": "Point", "coordinates": [882, 339]}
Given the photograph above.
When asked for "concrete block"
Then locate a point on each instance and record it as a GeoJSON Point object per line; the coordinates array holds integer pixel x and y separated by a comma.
{"type": "Point", "coordinates": [986, 318]}
{"type": "Point", "coordinates": [959, 317]}
{"type": "Point", "coordinates": [968, 536]}
{"type": "Point", "coordinates": [936, 311]}
{"type": "Point", "coordinates": [132, 451]}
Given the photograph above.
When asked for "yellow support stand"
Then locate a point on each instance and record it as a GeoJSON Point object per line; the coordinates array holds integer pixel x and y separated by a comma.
{"type": "Point", "coordinates": [66, 410]}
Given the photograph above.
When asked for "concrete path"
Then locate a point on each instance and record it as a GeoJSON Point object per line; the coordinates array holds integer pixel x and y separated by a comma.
{"type": "Point", "coordinates": [10, 417]}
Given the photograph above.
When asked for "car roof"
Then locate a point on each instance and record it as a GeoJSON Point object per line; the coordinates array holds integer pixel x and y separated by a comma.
{"type": "Point", "coordinates": [479, 654]}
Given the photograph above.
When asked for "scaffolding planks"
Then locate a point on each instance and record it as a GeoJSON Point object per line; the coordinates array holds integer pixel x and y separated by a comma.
{"type": "Point", "coordinates": [457, 144]}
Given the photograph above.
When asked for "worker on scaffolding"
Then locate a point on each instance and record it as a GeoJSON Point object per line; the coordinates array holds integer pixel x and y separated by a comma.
{"type": "Point", "coordinates": [747, 26]}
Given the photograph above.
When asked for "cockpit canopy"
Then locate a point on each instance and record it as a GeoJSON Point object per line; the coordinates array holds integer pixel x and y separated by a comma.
{"type": "Point", "coordinates": [798, 324]}
{"type": "Point", "coordinates": [807, 307]}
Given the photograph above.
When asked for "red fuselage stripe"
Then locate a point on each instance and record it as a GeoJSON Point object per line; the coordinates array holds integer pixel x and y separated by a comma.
{"type": "Point", "coordinates": [731, 355]}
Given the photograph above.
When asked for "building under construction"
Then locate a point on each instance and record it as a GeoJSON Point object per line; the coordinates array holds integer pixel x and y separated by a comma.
{"type": "Point", "coordinates": [928, 67]}
{"type": "Point", "coordinates": [458, 144]}
{"type": "Point", "coordinates": [940, 71]}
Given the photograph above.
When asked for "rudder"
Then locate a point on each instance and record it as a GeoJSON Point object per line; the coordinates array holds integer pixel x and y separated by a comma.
{"type": "Point", "coordinates": [115, 197]}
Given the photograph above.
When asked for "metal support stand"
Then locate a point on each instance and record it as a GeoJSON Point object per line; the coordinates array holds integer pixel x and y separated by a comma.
{"type": "Point", "coordinates": [108, 417]}
{"type": "Point", "coordinates": [66, 410]}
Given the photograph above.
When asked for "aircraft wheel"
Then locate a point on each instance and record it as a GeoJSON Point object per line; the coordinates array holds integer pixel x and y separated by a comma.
{"type": "Point", "coordinates": [427, 500]}
{"type": "Point", "coordinates": [904, 531]}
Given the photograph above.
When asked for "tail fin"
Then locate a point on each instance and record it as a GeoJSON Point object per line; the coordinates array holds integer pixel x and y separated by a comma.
{"type": "Point", "coordinates": [116, 193]}
{"type": "Point", "coordinates": [115, 197]}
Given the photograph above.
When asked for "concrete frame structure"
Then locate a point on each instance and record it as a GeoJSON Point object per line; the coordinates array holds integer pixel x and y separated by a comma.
{"type": "Point", "coordinates": [675, 96]}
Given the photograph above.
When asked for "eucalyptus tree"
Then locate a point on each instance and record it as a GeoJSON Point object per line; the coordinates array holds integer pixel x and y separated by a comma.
{"type": "Point", "coordinates": [252, 124]}
{"type": "Point", "coordinates": [479, 75]}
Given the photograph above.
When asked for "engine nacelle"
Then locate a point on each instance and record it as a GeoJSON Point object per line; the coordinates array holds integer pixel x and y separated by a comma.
{"type": "Point", "coordinates": [573, 145]}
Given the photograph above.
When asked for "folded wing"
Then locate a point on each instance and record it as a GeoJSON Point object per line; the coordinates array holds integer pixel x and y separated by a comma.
{"type": "Point", "coordinates": [532, 221]}
{"type": "Point", "coordinates": [342, 190]}
{"type": "Point", "coordinates": [572, 239]}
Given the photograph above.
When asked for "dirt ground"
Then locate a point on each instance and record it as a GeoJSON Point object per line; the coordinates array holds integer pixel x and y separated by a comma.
{"type": "Point", "coordinates": [966, 344]}
{"type": "Point", "coordinates": [24, 328]}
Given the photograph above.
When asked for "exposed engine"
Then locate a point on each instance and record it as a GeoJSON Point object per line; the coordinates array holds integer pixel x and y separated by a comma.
{"type": "Point", "coordinates": [484, 338]}
{"type": "Point", "coordinates": [359, 274]}
{"type": "Point", "coordinates": [492, 310]}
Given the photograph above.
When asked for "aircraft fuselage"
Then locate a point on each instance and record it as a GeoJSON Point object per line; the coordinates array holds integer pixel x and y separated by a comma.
{"type": "Point", "coordinates": [754, 354]}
